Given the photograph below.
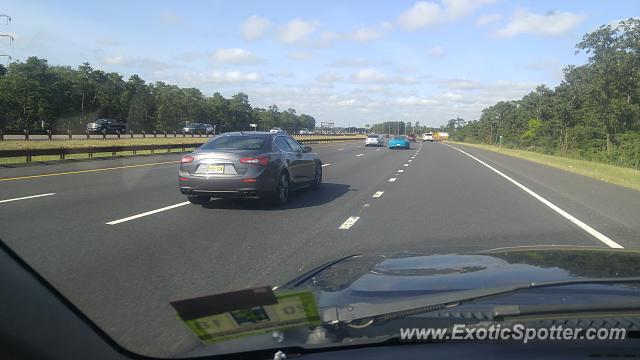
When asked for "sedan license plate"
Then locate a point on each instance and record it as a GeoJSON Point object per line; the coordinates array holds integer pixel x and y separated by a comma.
{"type": "Point", "coordinates": [215, 169]}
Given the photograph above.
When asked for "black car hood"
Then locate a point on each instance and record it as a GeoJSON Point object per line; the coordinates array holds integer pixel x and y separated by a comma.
{"type": "Point", "coordinates": [355, 278]}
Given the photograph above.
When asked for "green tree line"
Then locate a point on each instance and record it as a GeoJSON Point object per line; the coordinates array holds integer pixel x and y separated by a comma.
{"type": "Point", "coordinates": [37, 96]}
{"type": "Point", "coordinates": [593, 114]}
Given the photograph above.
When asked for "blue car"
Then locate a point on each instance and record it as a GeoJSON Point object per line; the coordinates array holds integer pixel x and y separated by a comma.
{"type": "Point", "coordinates": [399, 142]}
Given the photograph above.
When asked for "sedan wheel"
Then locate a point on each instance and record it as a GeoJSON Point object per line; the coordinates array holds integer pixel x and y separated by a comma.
{"type": "Point", "coordinates": [282, 192]}
{"type": "Point", "coordinates": [317, 178]}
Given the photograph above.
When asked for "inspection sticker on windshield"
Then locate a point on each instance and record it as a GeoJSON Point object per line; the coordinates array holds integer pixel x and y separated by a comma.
{"type": "Point", "coordinates": [246, 312]}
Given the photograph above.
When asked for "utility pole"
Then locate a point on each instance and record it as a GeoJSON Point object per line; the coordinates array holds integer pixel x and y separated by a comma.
{"type": "Point", "coordinates": [9, 36]}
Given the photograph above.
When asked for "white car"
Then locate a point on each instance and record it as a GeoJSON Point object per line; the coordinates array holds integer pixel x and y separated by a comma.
{"type": "Point", "coordinates": [276, 130]}
{"type": "Point", "coordinates": [375, 140]}
{"type": "Point", "coordinates": [427, 137]}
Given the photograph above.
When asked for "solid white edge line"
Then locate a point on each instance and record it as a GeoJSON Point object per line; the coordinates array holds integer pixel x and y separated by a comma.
{"type": "Point", "coordinates": [26, 197]}
{"type": "Point", "coordinates": [114, 222]}
{"type": "Point", "coordinates": [593, 232]}
{"type": "Point", "coordinates": [392, 179]}
{"type": "Point", "coordinates": [349, 222]}
{"type": "Point", "coordinates": [378, 194]}
{"type": "Point", "coordinates": [323, 165]}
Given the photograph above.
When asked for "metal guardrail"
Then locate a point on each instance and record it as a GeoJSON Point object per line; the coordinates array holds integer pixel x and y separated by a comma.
{"type": "Point", "coordinates": [28, 135]}
{"type": "Point", "coordinates": [91, 150]}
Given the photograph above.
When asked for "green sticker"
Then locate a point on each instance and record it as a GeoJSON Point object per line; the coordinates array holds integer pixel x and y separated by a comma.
{"type": "Point", "coordinates": [292, 309]}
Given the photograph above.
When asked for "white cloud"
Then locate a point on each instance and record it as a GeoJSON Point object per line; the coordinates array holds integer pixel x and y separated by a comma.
{"type": "Point", "coordinates": [347, 102]}
{"type": "Point", "coordinates": [373, 76]}
{"type": "Point", "coordinates": [113, 60]}
{"type": "Point", "coordinates": [386, 26]}
{"type": "Point", "coordinates": [550, 24]}
{"type": "Point", "coordinates": [255, 27]}
{"type": "Point", "coordinates": [350, 63]}
{"type": "Point", "coordinates": [328, 78]}
{"type": "Point", "coordinates": [369, 76]}
{"type": "Point", "coordinates": [436, 51]}
{"type": "Point", "coordinates": [216, 77]}
{"type": "Point", "coordinates": [234, 56]}
{"type": "Point", "coordinates": [366, 34]}
{"type": "Point", "coordinates": [300, 55]}
{"type": "Point", "coordinates": [486, 19]}
{"type": "Point", "coordinates": [107, 41]}
{"type": "Point", "coordinates": [457, 9]}
{"type": "Point", "coordinates": [428, 13]}
{"type": "Point", "coordinates": [416, 100]}
{"type": "Point", "coordinates": [297, 30]}
{"type": "Point", "coordinates": [190, 56]}
{"type": "Point", "coordinates": [421, 14]}
{"type": "Point", "coordinates": [459, 84]}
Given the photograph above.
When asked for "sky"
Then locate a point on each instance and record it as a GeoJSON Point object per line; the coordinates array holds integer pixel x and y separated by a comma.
{"type": "Point", "coordinates": [347, 62]}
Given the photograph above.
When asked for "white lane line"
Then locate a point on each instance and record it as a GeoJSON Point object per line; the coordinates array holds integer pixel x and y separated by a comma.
{"type": "Point", "coordinates": [400, 171]}
{"type": "Point", "coordinates": [593, 232]}
{"type": "Point", "coordinates": [114, 222]}
{"type": "Point", "coordinates": [360, 155]}
{"type": "Point", "coordinates": [410, 160]}
{"type": "Point", "coordinates": [323, 165]}
{"type": "Point", "coordinates": [378, 149]}
{"type": "Point", "coordinates": [26, 197]}
{"type": "Point", "coordinates": [405, 165]}
{"type": "Point", "coordinates": [349, 223]}
{"type": "Point", "coordinates": [413, 157]}
{"type": "Point", "coordinates": [392, 179]}
{"type": "Point", "coordinates": [341, 149]}
{"type": "Point", "coordinates": [378, 194]}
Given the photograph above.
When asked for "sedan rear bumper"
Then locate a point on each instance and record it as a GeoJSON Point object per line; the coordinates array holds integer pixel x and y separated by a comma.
{"type": "Point", "coordinates": [226, 187]}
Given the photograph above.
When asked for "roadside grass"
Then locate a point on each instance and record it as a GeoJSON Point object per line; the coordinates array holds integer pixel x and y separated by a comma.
{"type": "Point", "coordinates": [627, 177]}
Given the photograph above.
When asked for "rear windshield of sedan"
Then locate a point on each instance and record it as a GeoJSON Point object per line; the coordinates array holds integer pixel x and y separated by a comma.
{"type": "Point", "coordinates": [234, 143]}
{"type": "Point", "coordinates": [373, 136]}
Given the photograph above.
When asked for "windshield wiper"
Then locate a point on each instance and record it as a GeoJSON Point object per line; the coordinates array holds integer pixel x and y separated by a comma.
{"type": "Point", "coordinates": [428, 303]}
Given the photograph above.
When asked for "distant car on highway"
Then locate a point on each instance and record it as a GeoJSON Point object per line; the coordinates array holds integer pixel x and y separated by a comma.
{"type": "Point", "coordinates": [276, 130]}
{"type": "Point", "coordinates": [304, 132]}
{"type": "Point", "coordinates": [249, 165]}
{"type": "Point", "coordinates": [108, 125]}
{"type": "Point", "coordinates": [427, 137]}
{"type": "Point", "coordinates": [411, 137]}
{"type": "Point", "coordinates": [195, 128]}
{"type": "Point", "coordinates": [374, 140]}
{"type": "Point", "coordinates": [399, 142]}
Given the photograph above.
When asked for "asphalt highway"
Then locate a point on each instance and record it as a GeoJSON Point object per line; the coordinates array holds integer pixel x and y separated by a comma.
{"type": "Point", "coordinates": [117, 238]}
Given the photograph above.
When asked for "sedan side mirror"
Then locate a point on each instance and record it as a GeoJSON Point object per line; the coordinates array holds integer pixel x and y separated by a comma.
{"type": "Point", "coordinates": [307, 149]}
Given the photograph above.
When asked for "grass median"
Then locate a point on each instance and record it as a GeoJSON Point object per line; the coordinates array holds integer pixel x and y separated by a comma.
{"type": "Point", "coordinates": [622, 176]}
{"type": "Point", "coordinates": [70, 144]}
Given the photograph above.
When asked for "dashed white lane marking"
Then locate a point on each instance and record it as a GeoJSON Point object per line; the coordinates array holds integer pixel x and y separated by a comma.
{"type": "Point", "coordinates": [392, 179]}
{"type": "Point", "coordinates": [405, 165]}
{"type": "Point", "coordinates": [378, 149]}
{"type": "Point", "coordinates": [349, 223]}
{"type": "Point", "coordinates": [378, 194]}
{"type": "Point", "coordinates": [360, 155]}
{"type": "Point", "coordinates": [323, 165]}
{"type": "Point", "coordinates": [114, 222]}
{"type": "Point", "coordinates": [341, 149]}
{"type": "Point", "coordinates": [593, 232]}
{"type": "Point", "coordinates": [410, 160]}
{"type": "Point", "coordinates": [26, 197]}
{"type": "Point", "coordinates": [400, 171]}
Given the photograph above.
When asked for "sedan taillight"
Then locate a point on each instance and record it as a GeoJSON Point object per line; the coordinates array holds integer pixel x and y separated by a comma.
{"type": "Point", "coordinates": [187, 159]}
{"type": "Point", "coordinates": [257, 160]}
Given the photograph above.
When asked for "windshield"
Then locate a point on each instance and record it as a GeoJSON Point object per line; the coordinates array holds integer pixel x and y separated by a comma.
{"type": "Point", "coordinates": [234, 143]}
{"type": "Point", "coordinates": [164, 165]}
